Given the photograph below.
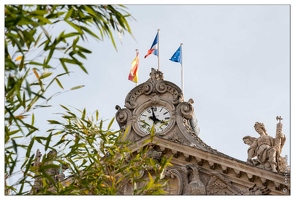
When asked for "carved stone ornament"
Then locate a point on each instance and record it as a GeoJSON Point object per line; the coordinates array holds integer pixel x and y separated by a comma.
{"type": "Point", "coordinates": [264, 151]}
{"type": "Point", "coordinates": [122, 116]}
{"type": "Point", "coordinates": [156, 155]}
{"type": "Point", "coordinates": [175, 181]}
{"type": "Point", "coordinates": [218, 185]}
{"type": "Point", "coordinates": [255, 190]}
{"type": "Point", "coordinates": [175, 137]}
{"type": "Point", "coordinates": [155, 84]}
{"type": "Point", "coordinates": [192, 182]}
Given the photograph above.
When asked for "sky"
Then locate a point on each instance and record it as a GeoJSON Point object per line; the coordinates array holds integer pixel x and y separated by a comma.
{"type": "Point", "coordinates": [236, 61]}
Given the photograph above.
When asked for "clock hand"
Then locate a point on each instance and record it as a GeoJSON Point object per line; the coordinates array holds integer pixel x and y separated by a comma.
{"type": "Point", "coordinates": [153, 117]}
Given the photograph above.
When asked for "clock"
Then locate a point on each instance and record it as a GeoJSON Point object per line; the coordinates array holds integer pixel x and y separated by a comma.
{"type": "Point", "coordinates": [158, 116]}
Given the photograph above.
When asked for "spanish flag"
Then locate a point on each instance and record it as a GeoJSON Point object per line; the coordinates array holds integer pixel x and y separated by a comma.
{"type": "Point", "coordinates": [133, 75]}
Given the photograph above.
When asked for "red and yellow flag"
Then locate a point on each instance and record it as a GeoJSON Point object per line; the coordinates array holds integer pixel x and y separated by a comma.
{"type": "Point", "coordinates": [133, 75]}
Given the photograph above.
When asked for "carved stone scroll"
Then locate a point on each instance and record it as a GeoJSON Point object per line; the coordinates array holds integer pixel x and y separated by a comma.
{"type": "Point", "coordinates": [122, 116]}
{"type": "Point", "coordinates": [185, 109]}
{"type": "Point", "coordinates": [175, 182]}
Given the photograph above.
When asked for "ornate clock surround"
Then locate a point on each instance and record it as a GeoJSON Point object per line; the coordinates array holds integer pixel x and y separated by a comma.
{"type": "Point", "coordinates": [136, 113]}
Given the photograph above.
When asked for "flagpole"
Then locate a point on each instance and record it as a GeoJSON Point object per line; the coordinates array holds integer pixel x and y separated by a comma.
{"type": "Point", "coordinates": [158, 50]}
{"type": "Point", "coordinates": [182, 81]}
{"type": "Point", "coordinates": [136, 53]}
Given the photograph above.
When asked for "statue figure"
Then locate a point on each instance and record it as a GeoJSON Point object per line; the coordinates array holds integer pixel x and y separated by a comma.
{"type": "Point", "coordinates": [265, 148]}
{"type": "Point", "coordinates": [193, 185]}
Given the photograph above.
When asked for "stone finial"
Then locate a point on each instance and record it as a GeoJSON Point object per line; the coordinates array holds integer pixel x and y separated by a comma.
{"type": "Point", "coordinates": [279, 118]}
{"type": "Point", "coordinates": [156, 75]}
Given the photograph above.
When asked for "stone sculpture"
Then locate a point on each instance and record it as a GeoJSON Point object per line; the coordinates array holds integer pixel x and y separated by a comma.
{"type": "Point", "coordinates": [265, 150]}
{"type": "Point", "coordinates": [193, 186]}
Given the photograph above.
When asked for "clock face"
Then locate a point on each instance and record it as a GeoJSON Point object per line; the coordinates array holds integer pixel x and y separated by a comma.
{"type": "Point", "coordinates": [159, 116]}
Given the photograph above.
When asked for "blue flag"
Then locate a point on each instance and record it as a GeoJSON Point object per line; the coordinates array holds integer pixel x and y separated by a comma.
{"type": "Point", "coordinates": [177, 57]}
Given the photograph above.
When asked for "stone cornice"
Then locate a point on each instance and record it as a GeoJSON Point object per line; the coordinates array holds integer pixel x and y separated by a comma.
{"type": "Point", "coordinates": [214, 159]}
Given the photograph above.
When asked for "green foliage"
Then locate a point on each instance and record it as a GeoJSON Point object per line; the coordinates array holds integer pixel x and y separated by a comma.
{"type": "Point", "coordinates": [32, 55]}
{"type": "Point", "coordinates": [96, 161]}
{"type": "Point", "coordinates": [99, 162]}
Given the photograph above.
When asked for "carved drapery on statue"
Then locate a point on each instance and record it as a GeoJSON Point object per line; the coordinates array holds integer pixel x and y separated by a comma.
{"type": "Point", "coordinates": [264, 151]}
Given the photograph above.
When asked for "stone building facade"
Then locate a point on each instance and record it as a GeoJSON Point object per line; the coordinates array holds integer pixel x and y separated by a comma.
{"type": "Point", "coordinates": [197, 168]}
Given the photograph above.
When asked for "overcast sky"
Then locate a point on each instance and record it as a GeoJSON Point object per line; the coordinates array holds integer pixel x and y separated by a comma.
{"type": "Point", "coordinates": [236, 61]}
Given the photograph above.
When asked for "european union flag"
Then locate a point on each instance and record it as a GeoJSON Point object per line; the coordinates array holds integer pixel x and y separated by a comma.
{"type": "Point", "coordinates": [177, 57]}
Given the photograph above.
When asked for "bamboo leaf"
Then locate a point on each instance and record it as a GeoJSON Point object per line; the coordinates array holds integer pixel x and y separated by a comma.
{"type": "Point", "coordinates": [83, 68]}
{"type": "Point", "coordinates": [84, 113]}
{"type": "Point", "coordinates": [77, 87]}
{"type": "Point", "coordinates": [96, 115]}
{"type": "Point", "coordinates": [45, 75]}
{"type": "Point", "coordinates": [38, 39]}
{"type": "Point", "coordinates": [74, 26]}
{"type": "Point", "coordinates": [43, 19]}
{"type": "Point", "coordinates": [38, 12]}
{"type": "Point", "coordinates": [71, 34]}
{"type": "Point", "coordinates": [58, 83]}
{"type": "Point", "coordinates": [53, 122]}
{"type": "Point", "coordinates": [64, 107]}
{"type": "Point", "coordinates": [64, 65]}
{"type": "Point", "coordinates": [46, 33]}
{"type": "Point", "coordinates": [33, 119]}
{"type": "Point", "coordinates": [89, 31]}
{"type": "Point", "coordinates": [48, 141]}
{"type": "Point", "coordinates": [83, 49]}
{"type": "Point", "coordinates": [69, 14]}
{"type": "Point", "coordinates": [30, 147]}
{"type": "Point", "coordinates": [110, 124]}
{"type": "Point", "coordinates": [14, 145]}
{"type": "Point", "coordinates": [36, 73]}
